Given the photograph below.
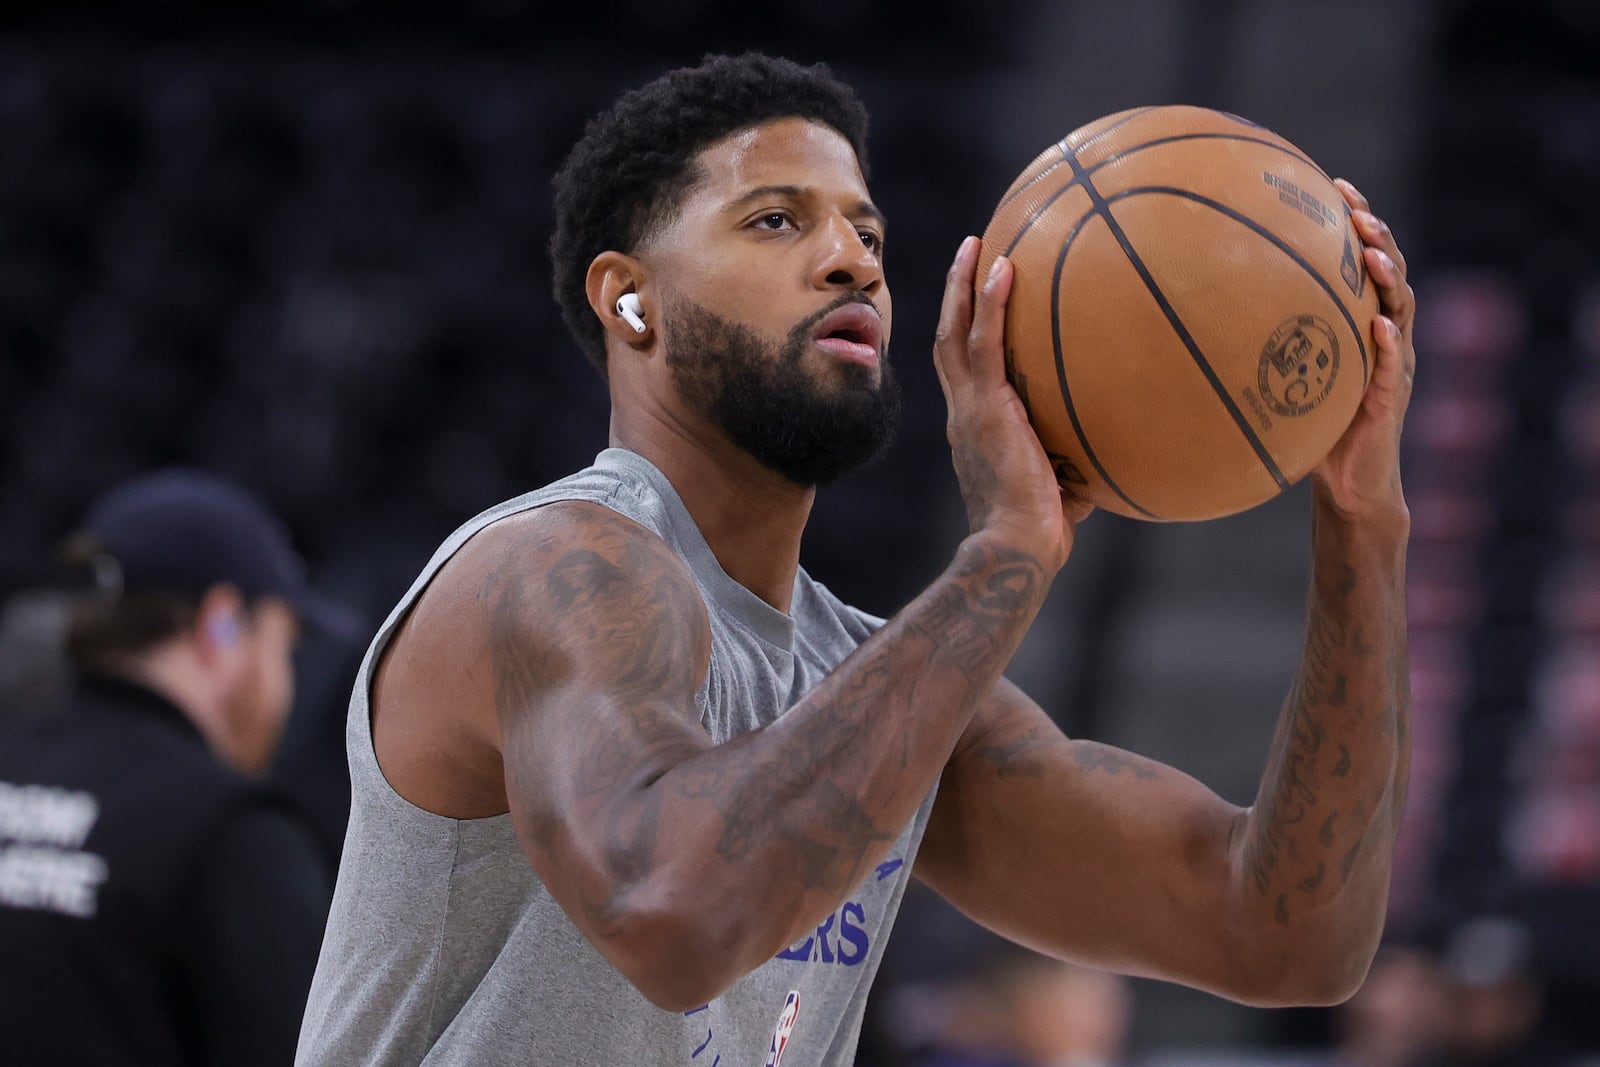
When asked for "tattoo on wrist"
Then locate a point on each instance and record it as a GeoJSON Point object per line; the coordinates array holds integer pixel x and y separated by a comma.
{"type": "Point", "coordinates": [972, 607]}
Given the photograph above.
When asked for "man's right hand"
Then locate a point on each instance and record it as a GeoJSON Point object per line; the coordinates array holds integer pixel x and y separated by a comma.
{"type": "Point", "coordinates": [1006, 479]}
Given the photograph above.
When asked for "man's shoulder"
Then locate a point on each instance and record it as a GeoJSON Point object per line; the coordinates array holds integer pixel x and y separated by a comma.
{"type": "Point", "coordinates": [615, 496]}
{"type": "Point", "coordinates": [617, 480]}
{"type": "Point", "coordinates": [557, 532]}
{"type": "Point", "coordinates": [560, 570]}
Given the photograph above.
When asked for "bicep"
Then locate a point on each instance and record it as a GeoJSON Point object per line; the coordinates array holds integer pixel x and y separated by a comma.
{"type": "Point", "coordinates": [1079, 849]}
{"type": "Point", "coordinates": [598, 640]}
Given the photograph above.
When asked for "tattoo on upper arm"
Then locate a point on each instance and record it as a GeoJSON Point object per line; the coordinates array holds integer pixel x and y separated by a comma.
{"type": "Point", "coordinates": [1025, 756]}
{"type": "Point", "coordinates": [519, 671]}
{"type": "Point", "coordinates": [633, 612]}
{"type": "Point", "coordinates": [632, 621]}
{"type": "Point", "coordinates": [583, 574]}
{"type": "Point", "coordinates": [1093, 756]}
{"type": "Point", "coordinates": [1021, 757]}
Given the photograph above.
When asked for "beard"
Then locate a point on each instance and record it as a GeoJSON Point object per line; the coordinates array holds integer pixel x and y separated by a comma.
{"type": "Point", "coordinates": [764, 399]}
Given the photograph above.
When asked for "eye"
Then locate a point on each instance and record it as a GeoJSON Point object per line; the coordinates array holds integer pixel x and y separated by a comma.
{"type": "Point", "coordinates": [773, 221]}
{"type": "Point", "coordinates": [872, 240]}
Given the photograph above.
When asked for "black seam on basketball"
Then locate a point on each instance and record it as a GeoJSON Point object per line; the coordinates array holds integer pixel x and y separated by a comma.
{"type": "Point", "coordinates": [1061, 146]}
{"type": "Point", "coordinates": [1040, 210]}
{"type": "Point", "coordinates": [1061, 370]}
{"type": "Point", "coordinates": [1123, 121]}
{"type": "Point", "coordinates": [1080, 174]}
{"type": "Point", "coordinates": [1240, 119]}
{"type": "Point", "coordinates": [1275, 240]}
{"type": "Point", "coordinates": [1102, 206]}
{"type": "Point", "coordinates": [1031, 182]}
{"type": "Point", "coordinates": [1276, 146]}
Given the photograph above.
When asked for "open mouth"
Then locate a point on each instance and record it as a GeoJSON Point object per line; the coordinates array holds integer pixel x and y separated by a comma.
{"type": "Point", "coordinates": [853, 332]}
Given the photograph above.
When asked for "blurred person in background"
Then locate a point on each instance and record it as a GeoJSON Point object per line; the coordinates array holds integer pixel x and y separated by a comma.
{"type": "Point", "coordinates": [1021, 1009]}
{"type": "Point", "coordinates": [33, 662]}
{"type": "Point", "coordinates": [1399, 1015]}
{"type": "Point", "coordinates": [159, 903]}
{"type": "Point", "coordinates": [1496, 1008]}
{"type": "Point", "coordinates": [1064, 1015]}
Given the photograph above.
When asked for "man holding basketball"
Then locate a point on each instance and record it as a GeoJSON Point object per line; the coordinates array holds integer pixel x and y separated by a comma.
{"type": "Point", "coordinates": [630, 787]}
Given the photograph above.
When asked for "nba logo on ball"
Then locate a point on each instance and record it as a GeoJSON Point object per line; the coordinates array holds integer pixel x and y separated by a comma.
{"type": "Point", "coordinates": [1298, 365]}
{"type": "Point", "coordinates": [780, 1036]}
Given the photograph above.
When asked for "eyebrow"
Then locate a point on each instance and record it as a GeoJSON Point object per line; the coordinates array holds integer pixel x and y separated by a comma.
{"type": "Point", "coordinates": [796, 192]}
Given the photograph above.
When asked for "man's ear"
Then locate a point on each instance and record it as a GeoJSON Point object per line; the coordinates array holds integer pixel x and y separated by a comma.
{"type": "Point", "coordinates": [621, 297]}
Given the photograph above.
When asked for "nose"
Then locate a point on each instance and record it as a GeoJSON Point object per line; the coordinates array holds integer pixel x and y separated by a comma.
{"type": "Point", "coordinates": [846, 262]}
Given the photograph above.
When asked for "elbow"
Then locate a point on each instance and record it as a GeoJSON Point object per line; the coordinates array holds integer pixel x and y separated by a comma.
{"type": "Point", "coordinates": [1307, 975]}
{"type": "Point", "coordinates": [668, 956]}
{"type": "Point", "coordinates": [675, 991]}
{"type": "Point", "coordinates": [1319, 983]}
{"type": "Point", "coordinates": [678, 989]}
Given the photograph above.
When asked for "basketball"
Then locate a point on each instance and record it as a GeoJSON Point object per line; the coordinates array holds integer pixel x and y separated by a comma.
{"type": "Point", "coordinates": [1190, 320]}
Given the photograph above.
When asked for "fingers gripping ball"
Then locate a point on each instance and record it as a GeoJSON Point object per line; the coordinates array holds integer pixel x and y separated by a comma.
{"type": "Point", "coordinates": [1190, 325]}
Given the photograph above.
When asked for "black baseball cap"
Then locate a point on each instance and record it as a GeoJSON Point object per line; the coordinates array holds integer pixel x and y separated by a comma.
{"type": "Point", "coordinates": [185, 531]}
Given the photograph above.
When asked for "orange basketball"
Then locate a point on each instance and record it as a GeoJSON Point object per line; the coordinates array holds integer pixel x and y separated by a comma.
{"type": "Point", "coordinates": [1190, 322]}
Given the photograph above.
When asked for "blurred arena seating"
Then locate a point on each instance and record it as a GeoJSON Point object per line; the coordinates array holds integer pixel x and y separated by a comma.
{"type": "Point", "coordinates": [322, 269]}
{"type": "Point", "coordinates": [1505, 487]}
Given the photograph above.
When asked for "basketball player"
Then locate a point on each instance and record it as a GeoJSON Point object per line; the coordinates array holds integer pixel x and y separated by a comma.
{"type": "Point", "coordinates": [631, 787]}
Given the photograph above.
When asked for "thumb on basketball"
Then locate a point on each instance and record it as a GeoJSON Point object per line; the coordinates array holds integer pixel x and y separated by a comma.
{"type": "Point", "coordinates": [1395, 360]}
{"type": "Point", "coordinates": [1389, 392]}
{"type": "Point", "coordinates": [1362, 472]}
{"type": "Point", "coordinates": [955, 322]}
{"type": "Point", "coordinates": [987, 353]}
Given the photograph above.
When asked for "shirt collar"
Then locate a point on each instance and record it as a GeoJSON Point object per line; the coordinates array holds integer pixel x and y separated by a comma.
{"type": "Point", "coordinates": [110, 692]}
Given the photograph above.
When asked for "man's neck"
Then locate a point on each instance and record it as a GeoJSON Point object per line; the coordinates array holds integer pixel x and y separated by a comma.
{"type": "Point", "coordinates": [751, 517]}
{"type": "Point", "coordinates": [169, 671]}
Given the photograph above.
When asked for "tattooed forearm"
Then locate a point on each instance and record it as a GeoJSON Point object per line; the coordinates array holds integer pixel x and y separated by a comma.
{"type": "Point", "coordinates": [967, 624]}
{"type": "Point", "coordinates": [971, 644]}
{"type": "Point", "coordinates": [969, 617]}
{"type": "Point", "coordinates": [818, 809]}
{"type": "Point", "coordinates": [1323, 824]}
{"type": "Point", "coordinates": [599, 641]}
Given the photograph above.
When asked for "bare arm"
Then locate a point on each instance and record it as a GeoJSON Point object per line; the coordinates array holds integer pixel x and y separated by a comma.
{"type": "Point", "coordinates": [1319, 840]}
{"type": "Point", "coordinates": [1087, 852]}
{"type": "Point", "coordinates": [632, 818]}
{"type": "Point", "coordinates": [1090, 853]}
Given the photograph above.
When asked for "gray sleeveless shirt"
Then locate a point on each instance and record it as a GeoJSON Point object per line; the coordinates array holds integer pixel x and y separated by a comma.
{"type": "Point", "coordinates": [443, 947]}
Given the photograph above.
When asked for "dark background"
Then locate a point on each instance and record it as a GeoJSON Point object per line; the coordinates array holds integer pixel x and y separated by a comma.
{"type": "Point", "coordinates": [302, 244]}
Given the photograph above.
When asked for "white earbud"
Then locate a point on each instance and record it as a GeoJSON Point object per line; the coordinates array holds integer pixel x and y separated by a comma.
{"type": "Point", "coordinates": [224, 630]}
{"type": "Point", "coordinates": [632, 311]}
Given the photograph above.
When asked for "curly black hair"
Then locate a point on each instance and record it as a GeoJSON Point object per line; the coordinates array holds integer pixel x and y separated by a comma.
{"type": "Point", "coordinates": [628, 172]}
